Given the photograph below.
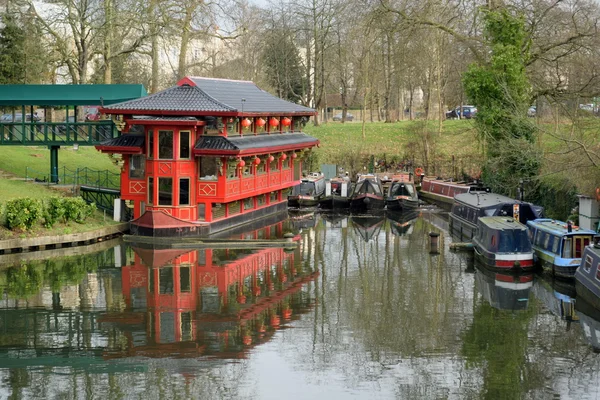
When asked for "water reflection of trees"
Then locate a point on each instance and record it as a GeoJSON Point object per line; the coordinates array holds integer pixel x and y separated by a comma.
{"type": "Point", "coordinates": [398, 301]}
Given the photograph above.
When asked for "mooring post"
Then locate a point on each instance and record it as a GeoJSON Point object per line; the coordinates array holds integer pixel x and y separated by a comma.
{"type": "Point", "coordinates": [433, 242]}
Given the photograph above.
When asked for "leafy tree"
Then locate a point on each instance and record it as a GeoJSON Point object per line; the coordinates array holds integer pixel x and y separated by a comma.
{"type": "Point", "coordinates": [12, 51]}
{"type": "Point", "coordinates": [501, 90]}
{"type": "Point", "coordinates": [283, 66]}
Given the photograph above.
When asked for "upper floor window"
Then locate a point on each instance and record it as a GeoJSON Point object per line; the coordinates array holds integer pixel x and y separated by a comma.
{"type": "Point", "coordinates": [165, 145]}
{"type": "Point", "coordinates": [184, 144]}
{"type": "Point", "coordinates": [209, 168]}
{"type": "Point", "coordinates": [150, 150]}
{"type": "Point", "coordinates": [137, 166]}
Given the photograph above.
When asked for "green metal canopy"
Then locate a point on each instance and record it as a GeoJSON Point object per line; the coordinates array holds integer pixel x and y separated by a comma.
{"type": "Point", "coordinates": [68, 95]}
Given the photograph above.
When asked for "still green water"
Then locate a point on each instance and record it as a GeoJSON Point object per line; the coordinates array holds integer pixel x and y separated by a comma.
{"type": "Point", "coordinates": [363, 308]}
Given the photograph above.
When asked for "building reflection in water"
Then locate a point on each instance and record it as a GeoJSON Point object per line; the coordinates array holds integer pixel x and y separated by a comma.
{"type": "Point", "coordinates": [209, 302]}
{"type": "Point", "coordinates": [589, 317]}
{"type": "Point", "coordinates": [504, 291]}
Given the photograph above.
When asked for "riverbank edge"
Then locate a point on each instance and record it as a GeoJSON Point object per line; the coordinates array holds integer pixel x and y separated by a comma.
{"type": "Point", "coordinates": [20, 245]}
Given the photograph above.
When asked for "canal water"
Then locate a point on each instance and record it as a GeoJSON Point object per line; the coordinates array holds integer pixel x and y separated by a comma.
{"type": "Point", "coordinates": [362, 308]}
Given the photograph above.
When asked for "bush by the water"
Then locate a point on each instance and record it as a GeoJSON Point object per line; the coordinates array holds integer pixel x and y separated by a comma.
{"type": "Point", "coordinates": [24, 213]}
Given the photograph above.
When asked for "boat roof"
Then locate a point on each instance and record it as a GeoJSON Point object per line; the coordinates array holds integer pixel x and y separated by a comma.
{"type": "Point", "coordinates": [557, 227]}
{"type": "Point", "coordinates": [449, 182]}
{"type": "Point", "coordinates": [486, 199]}
{"type": "Point", "coordinates": [502, 223]}
{"type": "Point", "coordinates": [370, 177]}
{"type": "Point", "coordinates": [313, 177]}
{"type": "Point", "coordinates": [407, 178]}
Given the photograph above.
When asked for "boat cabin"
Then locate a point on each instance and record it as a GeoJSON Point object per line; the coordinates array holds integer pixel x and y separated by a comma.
{"type": "Point", "coordinates": [559, 245]}
{"type": "Point", "coordinates": [308, 192]}
{"type": "Point", "coordinates": [444, 191]}
{"type": "Point", "coordinates": [467, 208]}
{"type": "Point", "coordinates": [207, 155]}
{"type": "Point", "coordinates": [503, 243]}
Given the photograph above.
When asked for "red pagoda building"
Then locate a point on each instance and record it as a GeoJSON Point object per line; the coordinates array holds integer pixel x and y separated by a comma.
{"type": "Point", "coordinates": [207, 155]}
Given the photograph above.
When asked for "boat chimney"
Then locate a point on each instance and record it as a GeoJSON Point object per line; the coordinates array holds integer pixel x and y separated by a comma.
{"type": "Point", "coordinates": [569, 226]}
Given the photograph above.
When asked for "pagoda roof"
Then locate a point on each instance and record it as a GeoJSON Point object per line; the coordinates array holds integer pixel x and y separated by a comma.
{"type": "Point", "coordinates": [124, 144]}
{"type": "Point", "coordinates": [251, 144]}
{"type": "Point", "coordinates": [208, 96]}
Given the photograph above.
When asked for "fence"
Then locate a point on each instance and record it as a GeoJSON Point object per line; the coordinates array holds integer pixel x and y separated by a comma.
{"type": "Point", "coordinates": [80, 176]}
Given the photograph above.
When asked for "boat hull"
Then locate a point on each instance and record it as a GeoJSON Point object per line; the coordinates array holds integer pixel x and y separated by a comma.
{"type": "Point", "coordinates": [367, 203]}
{"type": "Point", "coordinates": [303, 201]}
{"type": "Point", "coordinates": [334, 202]}
{"type": "Point", "coordinates": [401, 204]}
{"type": "Point", "coordinates": [509, 262]}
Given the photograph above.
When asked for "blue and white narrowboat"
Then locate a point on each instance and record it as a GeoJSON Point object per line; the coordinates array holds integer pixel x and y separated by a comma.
{"type": "Point", "coordinates": [558, 246]}
{"type": "Point", "coordinates": [502, 243]}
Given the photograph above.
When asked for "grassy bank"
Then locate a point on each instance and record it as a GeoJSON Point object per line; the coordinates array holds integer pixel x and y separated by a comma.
{"type": "Point", "coordinates": [20, 159]}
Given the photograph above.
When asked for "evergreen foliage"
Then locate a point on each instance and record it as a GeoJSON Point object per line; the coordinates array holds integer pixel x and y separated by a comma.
{"type": "Point", "coordinates": [283, 66]}
{"type": "Point", "coordinates": [12, 51]}
{"type": "Point", "coordinates": [501, 91]}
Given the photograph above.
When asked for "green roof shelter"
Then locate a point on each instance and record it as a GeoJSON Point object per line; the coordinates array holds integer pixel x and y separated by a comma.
{"type": "Point", "coordinates": [68, 95]}
{"type": "Point", "coordinates": [26, 129]}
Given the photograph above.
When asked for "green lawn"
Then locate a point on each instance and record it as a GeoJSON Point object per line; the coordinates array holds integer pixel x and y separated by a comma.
{"type": "Point", "coordinates": [19, 159]}
{"type": "Point", "coordinates": [12, 189]}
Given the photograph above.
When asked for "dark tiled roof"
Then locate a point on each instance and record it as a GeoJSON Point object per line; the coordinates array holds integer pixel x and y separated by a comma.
{"type": "Point", "coordinates": [205, 96]}
{"type": "Point", "coordinates": [125, 140]}
{"type": "Point", "coordinates": [177, 98]}
{"type": "Point", "coordinates": [232, 92]}
{"type": "Point", "coordinates": [238, 144]}
{"type": "Point", "coordinates": [125, 144]}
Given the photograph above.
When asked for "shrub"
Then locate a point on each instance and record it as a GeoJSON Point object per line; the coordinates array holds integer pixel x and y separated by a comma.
{"type": "Point", "coordinates": [23, 213]}
{"type": "Point", "coordinates": [76, 209]}
{"type": "Point", "coordinates": [54, 211]}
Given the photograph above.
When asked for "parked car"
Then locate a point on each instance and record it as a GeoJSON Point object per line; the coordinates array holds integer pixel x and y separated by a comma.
{"type": "Point", "coordinates": [468, 111]}
{"type": "Point", "coordinates": [338, 117]}
{"type": "Point", "coordinates": [18, 117]}
{"type": "Point", "coordinates": [63, 128]}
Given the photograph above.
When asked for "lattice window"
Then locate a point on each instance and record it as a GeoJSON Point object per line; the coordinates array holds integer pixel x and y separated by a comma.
{"type": "Point", "coordinates": [249, 203]}
{"type": "Point", "coordinates": [274, 197]}
{"type": "Point", "coordinates": [234, 207]}
{"type": "Point", "coordinates": [218, 210]}
{"type": "Point", "coordinates": [261, 200]}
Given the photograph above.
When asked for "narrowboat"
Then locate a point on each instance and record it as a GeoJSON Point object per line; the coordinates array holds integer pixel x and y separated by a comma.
{"type": "Point", "coordinates": [587, 276]}
{"type": "Point", "coordinates": [502, 243]}
{"type": "Point", "coordinates": [309, 192]}
{"type": "Point", "coordinates": [337, 194]}
{"type": "Point", "coordinates": [367, 194]}
{"type": "Point", "coordinates": [443, 191]}
{"type": "Point", "coordinates": [504, 291]}
{"type": "Point", "coordinates": [402, 194]}
{"type": "Point", "coordinates": [469, 207]}
{"type": "Point", "coordinates": [558, 246]}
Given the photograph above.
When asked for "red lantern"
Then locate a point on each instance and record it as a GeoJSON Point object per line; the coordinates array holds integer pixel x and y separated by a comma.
{"type": "Point", "coordinates": [273, 122]}
{"type": "Point", "coordinates": [294, 155]}
{"type": "Point", "coordinates": [260, 122]}
{"type": "Point", "coordinates": [286, 121]}
{"type": "Point", "coordinates": [246, 122]}
{"type": "Point", "coordinates": [271, 158]}
{"type": "Point", "coordinates": [257, 161]}
{"type": "Point", "coordinates": [241, 299]}
{"type": "Point", "coordinates": [283, 156]}
{"type": "Point", "coordinates": [247, 340]}
{"type": "Point", "coordinates": [241, 164]}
